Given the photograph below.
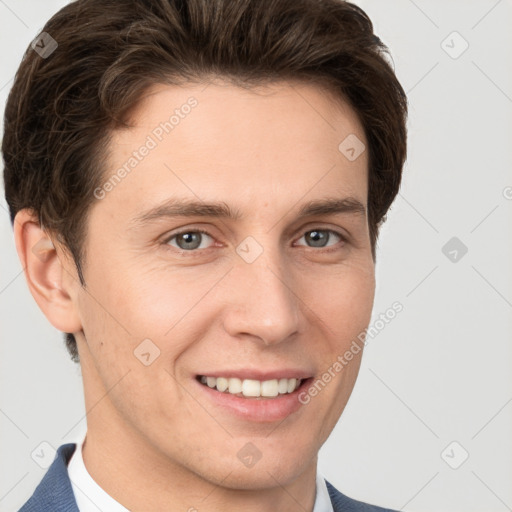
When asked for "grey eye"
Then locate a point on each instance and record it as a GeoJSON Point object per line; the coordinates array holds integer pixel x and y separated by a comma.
{"type": "Point", "coordinates": [189, 240]}
{"type": "Point", "coordinates": [319, 237]}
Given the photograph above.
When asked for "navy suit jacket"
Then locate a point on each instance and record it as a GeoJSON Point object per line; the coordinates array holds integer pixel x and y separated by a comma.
{"type": "Point", "coordinates": [55, 494]}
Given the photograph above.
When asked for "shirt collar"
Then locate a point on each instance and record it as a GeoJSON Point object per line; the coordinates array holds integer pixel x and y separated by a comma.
{"type": "Point", "coordinates": [322, 500]}
{"type": "Point", "coordinates": [90, 497]}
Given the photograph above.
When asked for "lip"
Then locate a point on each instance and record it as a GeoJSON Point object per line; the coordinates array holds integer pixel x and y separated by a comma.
{"type": "Point", "coordinates": [258, 410]}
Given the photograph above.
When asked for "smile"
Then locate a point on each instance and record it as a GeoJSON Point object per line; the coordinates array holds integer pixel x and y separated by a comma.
{"type": "Point", "coordinates": [250, 388]}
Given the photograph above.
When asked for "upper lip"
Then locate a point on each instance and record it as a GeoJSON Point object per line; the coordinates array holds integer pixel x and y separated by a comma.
{"type": "Point", "coordinates": [255, 374]}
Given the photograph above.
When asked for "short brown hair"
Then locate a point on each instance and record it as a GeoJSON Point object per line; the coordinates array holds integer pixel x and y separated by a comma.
{"type": "Point", "coordinates": [63, 108]}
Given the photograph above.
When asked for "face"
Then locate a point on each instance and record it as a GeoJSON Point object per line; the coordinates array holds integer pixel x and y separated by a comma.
{"type": "Point", "coordinates": [258, 293]}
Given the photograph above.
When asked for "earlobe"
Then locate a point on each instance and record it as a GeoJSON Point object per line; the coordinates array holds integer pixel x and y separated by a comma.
{"type": "Point", "coordinates": [45, 271]}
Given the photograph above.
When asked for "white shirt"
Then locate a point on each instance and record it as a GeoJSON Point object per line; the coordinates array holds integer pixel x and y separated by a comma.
{"type": "Point", "coordinates": [90, 497]}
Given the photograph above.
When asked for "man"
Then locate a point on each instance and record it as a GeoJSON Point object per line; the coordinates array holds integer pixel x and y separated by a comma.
{"type": "Point", "coordinates": [196, 189]}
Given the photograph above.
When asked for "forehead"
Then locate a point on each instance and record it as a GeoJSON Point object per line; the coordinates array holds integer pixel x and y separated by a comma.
{"type": "Point", "coordinates": [281, 142]}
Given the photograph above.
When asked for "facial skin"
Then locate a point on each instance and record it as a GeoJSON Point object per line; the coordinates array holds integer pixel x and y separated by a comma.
{"type": "Point", "coordinates": [155, 434]}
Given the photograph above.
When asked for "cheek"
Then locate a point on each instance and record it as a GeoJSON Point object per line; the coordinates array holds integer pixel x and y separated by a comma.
{"type": "Point", "coordinates": [127, 313]}
{"type": "Point", "coordinates": [130, 302]}
{"type": "Point", "coordinates": [355, 308]}
{"type": "Point", "coordinates": [344, 301]}
{"type": "Point", "coordinates": [119, 332]}
{"type": "Point", "coordinates": [112, 312]}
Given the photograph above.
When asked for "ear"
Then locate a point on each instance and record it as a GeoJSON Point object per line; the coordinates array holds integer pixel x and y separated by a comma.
{"type": "Point", "coordinates": [50, 273]}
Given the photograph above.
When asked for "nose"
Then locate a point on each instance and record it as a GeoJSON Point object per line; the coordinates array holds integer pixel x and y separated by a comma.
{"type": "Point", "coordinates": [261, 302]}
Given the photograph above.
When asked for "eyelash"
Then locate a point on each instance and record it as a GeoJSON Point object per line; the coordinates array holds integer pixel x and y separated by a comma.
{"type": "Point", "coordinates": [194, 252]}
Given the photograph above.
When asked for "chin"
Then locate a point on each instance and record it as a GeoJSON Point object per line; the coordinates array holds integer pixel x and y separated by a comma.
{"type": "Point", "coordinates": [254, 469]}
{"type": "Point", "coordinates": [263, 476]}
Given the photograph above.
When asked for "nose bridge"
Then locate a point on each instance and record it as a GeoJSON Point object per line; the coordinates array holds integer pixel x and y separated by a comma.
{"type": "Point", "coordinates": [262, 303]}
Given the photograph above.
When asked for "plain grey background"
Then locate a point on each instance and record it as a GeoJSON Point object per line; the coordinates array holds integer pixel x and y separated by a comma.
{"type": "Point", "coordinates": [428, 425]}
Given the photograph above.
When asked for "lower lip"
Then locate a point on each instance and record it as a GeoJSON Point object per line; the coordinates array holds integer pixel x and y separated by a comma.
{"type": "Point", "coordinates": [254, 409]}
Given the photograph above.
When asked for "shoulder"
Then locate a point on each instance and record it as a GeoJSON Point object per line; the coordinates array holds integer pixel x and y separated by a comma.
{"type": "Point", "coordinates": [342, 503]}
{"type": "Point", "coordinates": [54, 492]}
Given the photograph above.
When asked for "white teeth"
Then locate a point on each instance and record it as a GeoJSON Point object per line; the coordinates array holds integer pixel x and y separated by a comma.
{"type": "Point", "coordinates": [222, 384]}
{"type": "Point", "coordinates": [291, 385]}
{"type": "Point", "coordinates": [252, 388]}
{"type": "Point", "coordinates": [282, 387]}
{"type": "Point", "coordinates": [269, 388]}
{"type": "Point", "coordinates": [235, 386]}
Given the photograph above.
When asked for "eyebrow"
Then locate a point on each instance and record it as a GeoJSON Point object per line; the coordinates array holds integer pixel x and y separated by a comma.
{"type": "Point", "coordinates": [176, 207]}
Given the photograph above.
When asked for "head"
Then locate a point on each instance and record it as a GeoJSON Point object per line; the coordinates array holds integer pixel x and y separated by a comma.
{"type": "Point", "coordinates": [259, 113]}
